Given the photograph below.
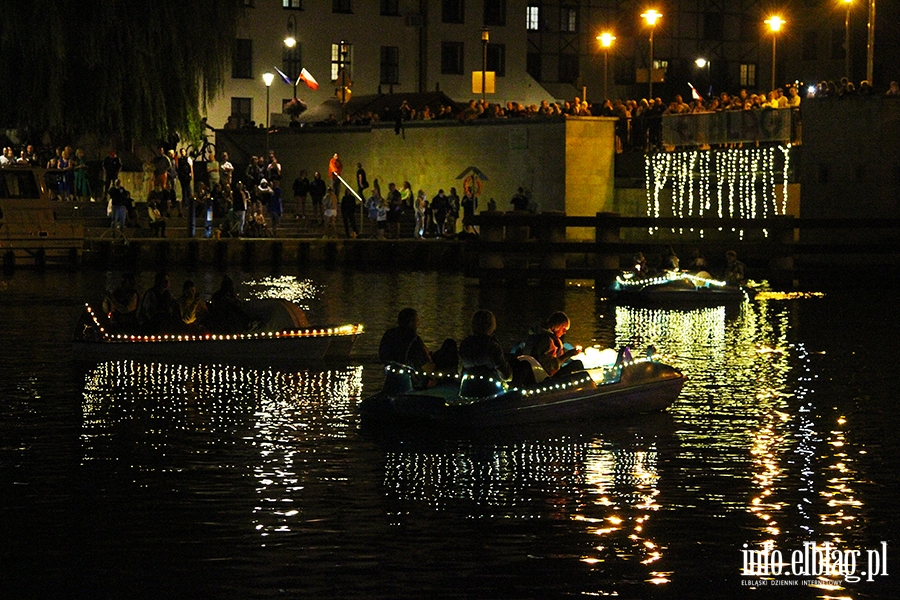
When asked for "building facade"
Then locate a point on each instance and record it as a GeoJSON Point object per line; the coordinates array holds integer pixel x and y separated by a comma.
{"type": "Point", "coordinates": [389, 46]}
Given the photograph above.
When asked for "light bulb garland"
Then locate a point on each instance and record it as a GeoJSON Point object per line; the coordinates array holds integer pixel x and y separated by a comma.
{"type": "Point", "coordinates": [343, 330]}
{"type": "Point", "coordinates": [603, 375]}
{"type": "Point", "coordinates": [745, 186]}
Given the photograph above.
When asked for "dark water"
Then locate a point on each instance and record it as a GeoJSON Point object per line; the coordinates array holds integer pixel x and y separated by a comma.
{"type": "Point", "coordinates": [124, 479]}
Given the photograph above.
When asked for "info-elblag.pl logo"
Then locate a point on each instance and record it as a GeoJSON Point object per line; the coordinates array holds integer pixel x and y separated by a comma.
{"type": "Point", "coordinates": [814, 560]}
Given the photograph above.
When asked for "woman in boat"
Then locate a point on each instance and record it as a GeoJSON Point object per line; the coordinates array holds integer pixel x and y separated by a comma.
{"type": "Point", "coordinates": [481, 349]}
{"type": "Point", "coordinates": [226, 315]}
{"type": "Point", "coordinates": [402, 344]}
{"type": "Point", "coordinates": [192, 309]}
{"type": "Point", "coordinates": [158, 306]}
{"type": "Point", "coordinates": [121, 305]}
{"type": "Point", "coordinates": [547, 347]}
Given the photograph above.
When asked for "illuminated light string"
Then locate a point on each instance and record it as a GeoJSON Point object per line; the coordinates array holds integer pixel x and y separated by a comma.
{"type": "Point", "coordinates": [343, 330]}
{"type": "Point", "coordinates": [669, 277]}
{"type": "Point", "coordinates": [745, 187]}
{"type": "Point", "coordinates": [606, 375]}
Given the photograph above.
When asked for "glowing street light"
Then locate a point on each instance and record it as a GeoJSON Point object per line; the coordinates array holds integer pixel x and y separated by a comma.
{"type": "Point", "coordinates": [774, 22]}
{"type": "Point", "coordinates": [290, 41]}
{"type": "Point", "coordinates": [268, 78]}
{"type": "Point", "coordinates": [606, 39]}
{"type": "Point", "coordinates": [651, 17]}
{"type": "Point", "coordinates": [701, 64]}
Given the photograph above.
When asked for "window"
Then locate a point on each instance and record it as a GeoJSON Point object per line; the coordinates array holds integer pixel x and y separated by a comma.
{"type": "Point", "coordinates": [495, 12]}
{"type": "Point", "coordinates": [838, 52]}
{"type": "Point", "coordinates": [496, 59]}
{"type": "Point", "coordinates": [451, 58]}
{"type": "Point", "coordinates": [533, 18]}
{"type": "Point", "coordinates": [568, 20]}
{"type": "Point", "coordinates": [747, 75]}
{"type": "Point", "coordinates": [390, 8]}
{"type": "Point", "coordinates": [341, 59]}
{"type": "Point", "coordinates": [242, 59]}
{"type": "Point", "coordinates": [341, 6]}
{"type": "Point", "coordinates": [241, 111]}
{"type": "Point", "coordinates": [810, 45]}
{"type": "Point", "coordinates": [296, 4]}
{"type": "Point", "coordinates": [713, 26]}
{"type": "Point", "coordinates": [291, 61]}
{"type": "Point", "coordinates": [390, 64]}
{"type": "Point", "coordinates": [453, 11]}
{"type": "Point", "coordinates": [533, 65]}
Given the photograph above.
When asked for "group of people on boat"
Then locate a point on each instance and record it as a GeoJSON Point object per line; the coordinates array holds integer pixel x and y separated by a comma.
{"type": "Point", "coordinates": [541, 354]}
{"type": "Point", "coordinates": [734, 272]}
{"type": "Point", "coordinates": [158, 311]}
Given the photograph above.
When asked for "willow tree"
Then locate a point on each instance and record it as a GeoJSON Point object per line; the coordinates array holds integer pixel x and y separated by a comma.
{"type": "Point", "coordinates": [135, 69]}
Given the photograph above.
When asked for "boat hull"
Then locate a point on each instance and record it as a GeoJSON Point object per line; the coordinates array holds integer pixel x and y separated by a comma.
{"type": "Point", "coordinates": [643, 388]}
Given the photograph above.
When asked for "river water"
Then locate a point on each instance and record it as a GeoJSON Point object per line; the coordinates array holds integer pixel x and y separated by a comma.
{"type": "Point", "coordinates": [129, 479]}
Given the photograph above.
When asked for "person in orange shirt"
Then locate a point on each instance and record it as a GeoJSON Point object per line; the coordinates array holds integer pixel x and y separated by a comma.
{"type": "Point", "coordinates": [335, 169]}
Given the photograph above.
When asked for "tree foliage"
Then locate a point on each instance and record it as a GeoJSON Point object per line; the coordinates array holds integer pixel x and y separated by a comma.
{"type": "Point", "coordinates": [134, 69]}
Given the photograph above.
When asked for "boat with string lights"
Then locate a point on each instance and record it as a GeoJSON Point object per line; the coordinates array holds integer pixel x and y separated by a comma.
{"type": "Point", "coordinates": [676, 288]}
{"type": "Point", "coordinates": [276, 340]}
{"type": "Point", "coordinates": [625, 387]}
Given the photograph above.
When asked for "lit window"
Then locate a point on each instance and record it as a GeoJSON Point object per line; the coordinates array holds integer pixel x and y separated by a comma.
{"type": "Point", "coordinates": [532, 18]}
{"type": "Point", "coordinates": [341, 59]}
{"type": "Point", "coordinates": [568, 20]}
{"type": "Point", "coordinates": [748, 75]}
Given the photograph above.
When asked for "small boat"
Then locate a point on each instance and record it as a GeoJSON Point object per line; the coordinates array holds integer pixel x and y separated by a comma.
{"type": "Point", "coordinates": [277, 341]}
{"type": "Point", "coordinates": [676, 288]}
{"type": "Point", "coordinates": [630, 386]}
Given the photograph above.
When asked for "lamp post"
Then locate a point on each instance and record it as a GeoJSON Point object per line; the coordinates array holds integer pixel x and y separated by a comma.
{"type": "Point", "coordinates": [268, 78]}
{"type": "Point", "coordinates": [342, 65]}
{"type": "Point", "coordinates": [870, 45]}
{"type": "Point", "coordinates": [849, 3]}
{"type": "Point", "coordinates": [485, 38]}
{"type": "Point", "coordinates": [774, 22]}
{"type": "Point", "coordinates": [289, 40]}
{"type": "Point", "coordinates": [651, 17]}
{"type": "Point", "coordinates": [703, 63]}
{"type": "Point", "coordinates": [606, 40]}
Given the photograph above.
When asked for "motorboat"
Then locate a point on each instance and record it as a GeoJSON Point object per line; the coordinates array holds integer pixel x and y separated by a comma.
{"type": "Point", "coordinates": [676, 288]}
{"type": "Point", "coordinates": [629, 386]}
{"type": "Point", "coordinates": [280, 333]}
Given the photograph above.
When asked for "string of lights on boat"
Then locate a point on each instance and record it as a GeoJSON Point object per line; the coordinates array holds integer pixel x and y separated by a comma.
{"type": "Point", "coordinates": [600, 375]}
{"type": "Point", "coordinates": [343, 330]}
{"type": "Point", "coordinates": [746, 183]}
{"type": "Point", "coordinates": [628, 280]}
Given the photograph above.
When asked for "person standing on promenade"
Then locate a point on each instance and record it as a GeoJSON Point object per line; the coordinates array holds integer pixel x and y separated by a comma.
{"type": "Point", "coordinates": [335, 170]}
{"type": "Point", "coordinates": [317, 191]}
{"type": "Point", "coordinates": [301, 190]}
{"type": "Point", "coordinates": [112, 165]}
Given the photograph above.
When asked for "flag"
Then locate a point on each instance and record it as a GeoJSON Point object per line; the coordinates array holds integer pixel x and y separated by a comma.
{"type": "Point", "coordinates": [308, 79]}
{"type": "Point", "coordinates": [694, 93]}
{"type": "Point", "coordinates": [284, 77]}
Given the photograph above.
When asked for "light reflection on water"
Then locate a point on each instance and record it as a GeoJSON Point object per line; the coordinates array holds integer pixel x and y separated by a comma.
{"type": "Point", "coordinates": [289, 494]}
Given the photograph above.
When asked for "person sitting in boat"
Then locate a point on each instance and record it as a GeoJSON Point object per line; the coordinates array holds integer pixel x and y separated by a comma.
{"type": "Point", "coordinates": [697, 264]}
{"type": "Point", "coordinates": [226, 313]}
{"type": "Point", "coordinates": [158, 306]}
{"type": "Point", "coordinates": [481, 349]}
{"type": "Point", "coordinates": [402, 344]}
{"type": "Point", "coordinates": [641, 269]}
{"type": "Point", "coordinates": [547, 347]}
{"type": "Point", "coordinates": [670, 260]}
{"type": "Point", "coordinates": [192, 309]}
{"type": "Point", "coordinates": [121, 305]}
{"type": "Point", "coordinates": [734, 269]}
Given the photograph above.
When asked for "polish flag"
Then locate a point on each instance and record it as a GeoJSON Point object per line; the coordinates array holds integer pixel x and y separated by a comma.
{"type": "Point", "coordinates": [308, 79]}
{"type": "Point", "coordinates": [694, 93]}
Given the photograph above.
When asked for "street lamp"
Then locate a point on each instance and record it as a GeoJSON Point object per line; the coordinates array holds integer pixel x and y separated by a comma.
{"type": "Point", "coordinates": [606, 40]}
{"type": "Point", "coordinates": [268, 78]}
{"type": "Point", "coordinates": [485, 38]}
{"type": "Point", "coordinates": [703, 63]}
{"type": "Point", "coordinates": [849, 3]}
{"type": "Point", "coordinates": [774, 22]}
{"type": "Point", "coordinates": [651, 16]}
{"type": "Point", "coordinates": [343, 49]}
{"type": "Point", "coordinates": [290, 41]}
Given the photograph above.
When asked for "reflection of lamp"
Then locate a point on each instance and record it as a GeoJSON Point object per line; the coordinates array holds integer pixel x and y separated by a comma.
{"type": "Point", "coordinates": [774, 22]}
{"type": "Point", "coordinates": [651, 16]}
{"type": "Point", "coordinates": [849, 3]}
{"type": "Point", "coordinates": [485, 38]}
{"type": "Point", "coordinates": [606, 40]}
{"type": "Point", "coordinates": [290, 41]}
